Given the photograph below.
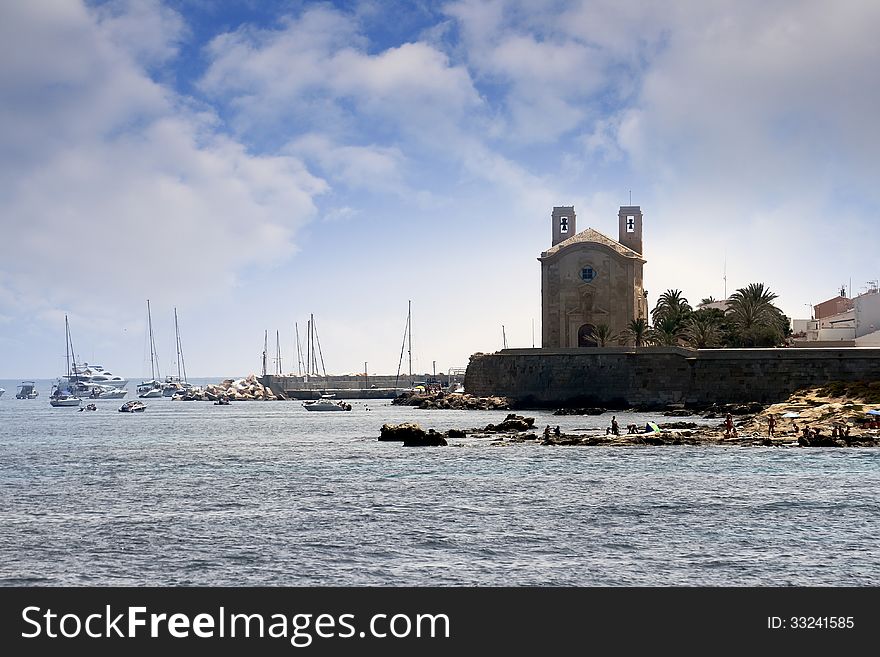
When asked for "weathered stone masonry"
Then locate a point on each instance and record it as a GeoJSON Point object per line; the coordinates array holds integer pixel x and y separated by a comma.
{"type": "Point", "coordinates": [626, 376]}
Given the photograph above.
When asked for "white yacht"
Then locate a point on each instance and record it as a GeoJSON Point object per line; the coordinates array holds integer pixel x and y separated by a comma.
{"type": "Point", "coordinates": [86, 373]}
{"type": "Point", "coordinates": [326, 403]}
{"type": "Point", "coordinates": [96, 391]}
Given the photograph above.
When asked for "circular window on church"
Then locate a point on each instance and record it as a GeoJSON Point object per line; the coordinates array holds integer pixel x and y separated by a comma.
{"type": "Point", "coordinates": [588, 274]}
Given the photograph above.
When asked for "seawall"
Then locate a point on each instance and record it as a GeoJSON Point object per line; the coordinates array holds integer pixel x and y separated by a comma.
{"type": "Point", "coordinates": [647, 376]}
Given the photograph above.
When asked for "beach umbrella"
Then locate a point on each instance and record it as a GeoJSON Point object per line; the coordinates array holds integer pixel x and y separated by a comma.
{"type": "Point", "coordinates": [791, 414]}
{"type": "Point", "coordinates": [651, 427]}
{"type": "Point", "coordinates": [875, 411]}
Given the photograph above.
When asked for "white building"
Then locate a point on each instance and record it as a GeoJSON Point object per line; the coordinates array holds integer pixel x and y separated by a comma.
{"type": "Point", "coordinates": [859, 326]}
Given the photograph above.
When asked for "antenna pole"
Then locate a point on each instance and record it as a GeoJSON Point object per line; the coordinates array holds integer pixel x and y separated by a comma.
{"type": "Point", "coordinates": [725, 276]}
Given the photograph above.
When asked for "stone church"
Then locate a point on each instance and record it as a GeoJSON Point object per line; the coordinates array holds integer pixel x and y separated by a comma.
{"type": "Point", "coordinates": [588, 279]}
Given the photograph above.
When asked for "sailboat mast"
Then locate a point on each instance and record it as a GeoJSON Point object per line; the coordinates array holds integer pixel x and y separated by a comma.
{"type": "Point", "coordinates": [177, 341]}
{"type": "Point", "coordinates": [181, 362]}
{"type": "Point", "coordinates": [409, 333]}
{"type": "Point", "coordinates": [265, 348]}
{"type": "Point", "coordinates": [299, 354]}
{"type": "Point", "coordinates": [67, 345]}
{"type": "Point", "coordinates": [154, 369]}
{"type": "Point", "coordinates": [278, 368]}
{"type": "Point", "coordinates": [308, 362]}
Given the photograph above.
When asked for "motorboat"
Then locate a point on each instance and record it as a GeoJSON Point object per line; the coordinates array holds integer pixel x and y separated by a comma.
{"type": "Point", "coordinates": [96, 391]}
{"type": "Point", "coordinates": [2, 391]}
{"type": "Point", "coordinates": [149, 389]}
{"type": "Point", "coordinates": [326, 403]}
{"type": "Point", "coordinates": [133, 406]}
{"type": "Point", "coordinates": [27, 390]}
{"type": "Point", "coordinates": [86, 373]}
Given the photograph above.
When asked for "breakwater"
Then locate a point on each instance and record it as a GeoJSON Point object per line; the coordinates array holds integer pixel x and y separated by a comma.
{"type": "Point", "coordinates": [653, 376]}
{"type": "Point", "coordinates": [349, 386]}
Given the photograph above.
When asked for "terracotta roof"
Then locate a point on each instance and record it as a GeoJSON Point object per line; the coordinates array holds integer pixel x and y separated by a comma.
{"type": "Point", "coordinates": [590, 235]}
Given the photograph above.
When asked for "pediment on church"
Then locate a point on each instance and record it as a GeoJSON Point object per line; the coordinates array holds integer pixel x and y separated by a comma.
{"type": "Point", "coordinates": [591, 237]}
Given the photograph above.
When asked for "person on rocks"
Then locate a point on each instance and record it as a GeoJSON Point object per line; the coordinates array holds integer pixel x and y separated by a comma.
{"type": "Point", "coordinates": [615, 429]}
{"type": "Point", "coordinates": [771, 426]}
{"type": "Point", "coordinates": [728, 426]}
{"type": "Point", "coordinates": [547, 432]}
{"type": "Point", "coordinates": [557, 432]}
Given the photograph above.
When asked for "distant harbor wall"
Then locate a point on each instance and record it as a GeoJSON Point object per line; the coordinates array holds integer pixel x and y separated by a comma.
{"type": "Point", "coordinates": [649, 376]}
{"type": "Point", "coordinates": [348, 386]}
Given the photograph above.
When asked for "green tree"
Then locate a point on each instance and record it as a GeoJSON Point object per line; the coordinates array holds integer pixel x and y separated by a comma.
{"type": "Point", "coordinates": [756, 321]}
{"type": "Point", "coordinates": [637, 332]}
{"type": "Point", "coordinates": [671, 304]}
{"type": "Point", "coordinates": [668, 331]}
{"type": "Point", "coordinates": [703, 329]}
{"type": "Point", "coordinates": [602, 334]}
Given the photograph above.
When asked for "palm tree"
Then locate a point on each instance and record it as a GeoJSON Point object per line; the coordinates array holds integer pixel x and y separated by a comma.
{"type": "Point", "coordinates": [671, 304]}
{"type": "Point", "coordinates": [637, 331]}
{"type": "Point", "coordinates": [667, 331]}
{"type": "Point", "coordinates": [706, 301]}
{"type": "Point", "coordinates": [703, 330]}
{"type": "Point", "coordinates": [755, 317]}
{"type": "Point", "coordinates": [602, 334]}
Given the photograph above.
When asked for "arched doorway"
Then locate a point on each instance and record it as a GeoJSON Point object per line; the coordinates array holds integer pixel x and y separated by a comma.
{"type": "Point", "coordinates": [586, 337]}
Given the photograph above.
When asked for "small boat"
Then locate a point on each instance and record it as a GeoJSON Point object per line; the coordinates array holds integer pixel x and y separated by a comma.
{"type": "Point", "coordinates": [326, 403]}
{"type": "Point", "coordinates": [2, 391]}
{"type": "Point", "coordinates": [88, 407]}
{"type": "Point", "coordinates": [133, 406]}
{"type": "Point", "coordinates": [27, 390]}
{"type": "Point", "coordinates": [63, 398]}
{"type": "Point", "coordinates": [223, 401]}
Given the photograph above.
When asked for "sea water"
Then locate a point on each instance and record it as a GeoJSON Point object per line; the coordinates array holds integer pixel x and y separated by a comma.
{"type": "Point", "coordinates": [267, 493]}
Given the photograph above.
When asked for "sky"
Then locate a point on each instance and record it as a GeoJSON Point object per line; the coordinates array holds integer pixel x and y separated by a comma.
{"type": "Point", "coordinates": [251, 164]}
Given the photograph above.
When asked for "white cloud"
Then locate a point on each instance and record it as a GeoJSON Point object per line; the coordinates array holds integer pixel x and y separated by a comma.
{"type": "Point", "coordinates": [111, 180]}
{"type": "Point", "coordinates": [314, 74]}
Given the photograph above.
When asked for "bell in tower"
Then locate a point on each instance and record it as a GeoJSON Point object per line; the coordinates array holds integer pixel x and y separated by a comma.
{"type": "Point", "coordinates": [563, 219]}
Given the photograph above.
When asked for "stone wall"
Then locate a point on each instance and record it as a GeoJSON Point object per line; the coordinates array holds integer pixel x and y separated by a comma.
{"type": "Point", "coordinates": [626, 376]}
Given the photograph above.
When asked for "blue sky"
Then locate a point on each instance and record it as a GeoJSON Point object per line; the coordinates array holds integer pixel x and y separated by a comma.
{"type": "Point", "coordinates": [253, 163]}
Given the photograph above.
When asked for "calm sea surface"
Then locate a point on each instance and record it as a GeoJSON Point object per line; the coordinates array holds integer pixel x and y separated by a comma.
{"type": "Point", "coordinates": [267, 493]}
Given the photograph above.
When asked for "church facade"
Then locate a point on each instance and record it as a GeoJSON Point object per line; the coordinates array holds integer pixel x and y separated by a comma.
{"type": "Point", "coordinates": [589, 279]}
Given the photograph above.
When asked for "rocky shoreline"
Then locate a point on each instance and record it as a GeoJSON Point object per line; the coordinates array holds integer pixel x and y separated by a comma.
{"type": "Point", "coordinates": [815, 417]}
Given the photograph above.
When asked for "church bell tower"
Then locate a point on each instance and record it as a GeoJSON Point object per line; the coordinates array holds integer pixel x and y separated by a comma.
{"type": "Point", "coordinates": [630, 224]}
{"type": "Point", "coordinates": [563, 219]}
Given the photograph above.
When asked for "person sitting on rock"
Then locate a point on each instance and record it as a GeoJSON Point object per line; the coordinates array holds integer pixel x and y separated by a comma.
{"type": "Point", "coordinates": [557, 432]}
{"type": "Point", "coordinates": [615, 429]}
{"type": "Point", "coordinates": [547, 432]}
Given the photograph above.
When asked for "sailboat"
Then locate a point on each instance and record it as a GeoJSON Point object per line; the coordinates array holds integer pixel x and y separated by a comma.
{"type": "Point", "coordinates": [61, 396]}
{"type": "Point", "coordinates": [326, 402]}
{"type": "Point", "coordinates": [407, 340]}
{"type": "Point", "coordinates": [176, 385]}
{"type": "Point", "coordinates": [151, 388]}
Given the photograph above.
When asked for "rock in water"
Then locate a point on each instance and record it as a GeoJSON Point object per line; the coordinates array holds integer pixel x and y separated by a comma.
{"type": "Point", "coordinates": [401, 432]}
